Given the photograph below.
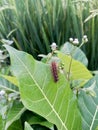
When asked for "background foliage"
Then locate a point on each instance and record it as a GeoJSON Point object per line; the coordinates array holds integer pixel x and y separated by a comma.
{"type": "Point", "coordinates": [35, 24]}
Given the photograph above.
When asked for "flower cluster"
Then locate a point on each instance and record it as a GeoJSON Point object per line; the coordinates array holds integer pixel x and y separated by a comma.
{"type": "Point", "coordinates": [53, 46]}
{"type": "Point", "coordinates": [76, 41]}
{"type": "Point", "coordinates": [85, 39]}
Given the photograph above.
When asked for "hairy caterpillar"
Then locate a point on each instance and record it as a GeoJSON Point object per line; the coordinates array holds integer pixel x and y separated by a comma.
{"type": "Point", "coordinates": [54, 70]}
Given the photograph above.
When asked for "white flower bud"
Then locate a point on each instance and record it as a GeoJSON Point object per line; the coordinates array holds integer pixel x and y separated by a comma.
{"type": "Point", "coordinates": [53, 46]}
{"type": "Point", "coordinates": [71, 39]}
{"type": "Point", "coordinates": [85, 36]}
{"type": "Point", "coordinates": [76, 41]}
{"type": "Point", "coordinates": [85, 39]}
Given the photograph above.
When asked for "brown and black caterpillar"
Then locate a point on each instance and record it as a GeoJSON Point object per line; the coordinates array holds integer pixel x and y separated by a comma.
{"type": "Point", "coordinates": [54, 70]}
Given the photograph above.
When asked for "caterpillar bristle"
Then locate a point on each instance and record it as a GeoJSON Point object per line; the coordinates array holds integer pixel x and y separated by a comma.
{"type": "Point", "coordinates": [54, 70]}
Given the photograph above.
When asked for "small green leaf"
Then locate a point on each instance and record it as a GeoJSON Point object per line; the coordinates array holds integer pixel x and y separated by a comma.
{"type": "Point", "coordinates": [34, 119]}
{"type": "Point", "coordinates": [39, 120]}
{"type": "Point", "coordinates": [14, 113]}
{"type": "Point", "coordinates": [27, 126]}
{"type": "Point", "coordinates": [6, 85]}
{"type": "Point", "coordinates": [11, 79]}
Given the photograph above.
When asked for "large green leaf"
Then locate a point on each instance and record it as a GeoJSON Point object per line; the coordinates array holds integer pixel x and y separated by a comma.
{"type": "Point", "coordinates": [76, 53]}
{"type": "Point", "coordinates": [89, 106]}
{"type": "Point", "coordinates": [77, 69]}
{"type": "Point", "coordinates": [39, 92]}
{"type": "Point", "coordinates": [14, 113]}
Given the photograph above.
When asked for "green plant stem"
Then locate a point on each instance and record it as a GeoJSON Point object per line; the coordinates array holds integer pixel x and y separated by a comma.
{"type": "Point", "coordinates": [69, 69]}
{"type": "Point", "coordinates": [81, 45]}
{"type": "Point", "coordinates": [71, 63]}
{"type": "Point", "coordinates": [73, 51]}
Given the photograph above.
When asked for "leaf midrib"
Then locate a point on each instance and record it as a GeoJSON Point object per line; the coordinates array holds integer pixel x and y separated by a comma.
{"type": "Point", "coordinates": [94, 118]}
{"type": "Point", "coordinates": [52, 108]}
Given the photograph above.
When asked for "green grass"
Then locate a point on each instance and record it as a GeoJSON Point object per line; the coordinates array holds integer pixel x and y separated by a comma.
{"type": "Point", "coordinates": [35, 24]}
